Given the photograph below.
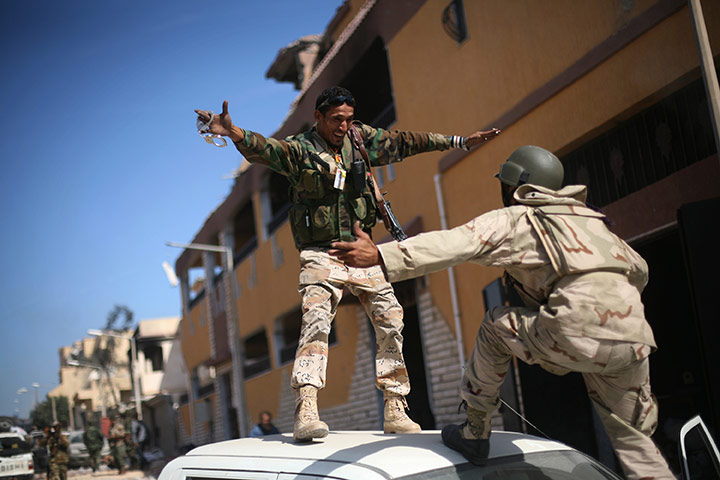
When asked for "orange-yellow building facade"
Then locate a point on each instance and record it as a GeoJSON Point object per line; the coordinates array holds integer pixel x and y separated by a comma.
{"type": "Point", "coordinates": [568, 76]}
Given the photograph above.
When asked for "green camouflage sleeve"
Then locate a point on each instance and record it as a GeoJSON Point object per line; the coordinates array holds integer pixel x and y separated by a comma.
{"type": "Point", "coordinates": [282, 156]}
{"type": "Point", "coordinates": [384, 146]}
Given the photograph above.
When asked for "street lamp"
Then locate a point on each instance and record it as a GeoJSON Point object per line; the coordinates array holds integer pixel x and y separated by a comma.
{"type": "Point", "coordinates": [21, 391]}
{"type": "Point", "coordinates": [133, 369]}
{"type": "Point", "coordinates": [36, 386]}
{"type": "Point", "coordinates": [236, 346]}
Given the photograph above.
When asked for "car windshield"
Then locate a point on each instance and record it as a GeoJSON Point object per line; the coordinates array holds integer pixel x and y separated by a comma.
{"type": "Point", "coordinates": [76, 438]}
{"type": "Point", "coordinates": [563, 465]}
{"type": "Point", "coordinates": [13, 446]}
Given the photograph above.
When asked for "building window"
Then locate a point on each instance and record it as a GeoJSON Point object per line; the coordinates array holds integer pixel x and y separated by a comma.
{"type": "Point", "coordinates": [453, 20]}
{"type": "Point", "coordinates": [287, 334]}
{"type": "Point", "coordinates": [653, 144]}
{"type": "Point", "coordinates": [369, 81]}
{"type": "Point", "coordinates": [196, 284]}
{"type": "Point", "coordinates": [245, 236]}
{"type": "Point", "coordinates": [154, 355]}
{"type": "Point", "coordinates": [275, 201]}
{"type": "Point", "coordinates": [257, 354]}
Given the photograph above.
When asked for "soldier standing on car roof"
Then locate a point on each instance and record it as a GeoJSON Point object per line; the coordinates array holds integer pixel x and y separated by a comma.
{"type": "Point", "coordinates": [324, 208]}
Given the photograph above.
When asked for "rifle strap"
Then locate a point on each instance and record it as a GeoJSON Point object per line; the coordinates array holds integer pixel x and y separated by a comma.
{"type": "Point", "coordinates": [357, 141]}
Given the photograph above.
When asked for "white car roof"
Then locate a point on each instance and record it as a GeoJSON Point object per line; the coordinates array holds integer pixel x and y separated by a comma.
{"type": "Point", "coordinates": [352, 454]}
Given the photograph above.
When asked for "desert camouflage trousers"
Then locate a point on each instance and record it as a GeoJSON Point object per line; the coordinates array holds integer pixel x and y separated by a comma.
{"type": "Point", "coordinates": [322, 278]}
{"type": "Point", "coordinates": [616, 376]}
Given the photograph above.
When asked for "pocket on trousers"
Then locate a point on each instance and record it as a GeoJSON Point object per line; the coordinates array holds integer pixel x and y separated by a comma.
{"type": "Point", "coordinates": [645, 417]}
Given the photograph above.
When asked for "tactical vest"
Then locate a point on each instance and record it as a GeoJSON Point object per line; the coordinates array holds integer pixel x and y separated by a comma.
{"type": "Point", "coordinates": [321, 214]}
{"type": "Point", "coordinates": [577, 240]}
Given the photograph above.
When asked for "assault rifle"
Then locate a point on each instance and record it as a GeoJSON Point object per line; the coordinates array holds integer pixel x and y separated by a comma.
{"type": "Point", "coordinates": [384, 209]}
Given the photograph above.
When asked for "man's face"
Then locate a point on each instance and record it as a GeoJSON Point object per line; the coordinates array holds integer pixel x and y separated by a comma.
{"type": "Point", "coordinates": [265, 419]}
{"type": "Point", "coordinates": [335, 123]}
{"type": "Point", "coordinates": [507, 192]}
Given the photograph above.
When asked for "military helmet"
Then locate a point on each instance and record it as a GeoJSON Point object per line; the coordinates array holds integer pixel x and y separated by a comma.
{"type": "Point", "coordinates": [531, 164]}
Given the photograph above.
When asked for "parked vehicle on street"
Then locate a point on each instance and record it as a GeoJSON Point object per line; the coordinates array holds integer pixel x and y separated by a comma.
{"type": "Point", "coordinates": [78, 452]}
{"type": "Point", "coordinates": [16, 458]}
{"type": "Point", "coordinates": [374, 456]}
{"type": "Point", "coordinates": [40, 453]}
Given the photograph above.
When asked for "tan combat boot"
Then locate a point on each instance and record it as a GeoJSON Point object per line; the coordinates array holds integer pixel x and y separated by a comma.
{"type": "Point", "coordinates": [307, 420]}
{"type": "Point", "coordinates": [396, 420]}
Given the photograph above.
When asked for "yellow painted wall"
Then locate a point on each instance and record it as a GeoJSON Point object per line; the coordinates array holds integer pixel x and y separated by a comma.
{"type": "Point", "coordinates": [274, 295]}
{"type": "Point", "coordinates": [514, 48]}
{"type": "Point", "coordinates": [184, 412]}
{"type": "Point", "coordinates": [196, 346]}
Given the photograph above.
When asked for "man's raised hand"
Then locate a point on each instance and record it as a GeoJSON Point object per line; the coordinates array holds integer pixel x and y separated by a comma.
{"type": "Point", "coordinates": [479, 138]}
{"type": "Point", "coordinates": [221, 124]}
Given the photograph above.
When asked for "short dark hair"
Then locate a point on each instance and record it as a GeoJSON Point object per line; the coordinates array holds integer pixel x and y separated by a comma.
{"type": "Point", "coordinates": [333, 96]}
{"type": "Point", "coordinates": [264, 412]}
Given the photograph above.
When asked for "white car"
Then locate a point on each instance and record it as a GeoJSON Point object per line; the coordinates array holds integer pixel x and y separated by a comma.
{"type": "Point", "coordinates": [16, 458]}
{"type": "Point", "coordinates": [373, 455]}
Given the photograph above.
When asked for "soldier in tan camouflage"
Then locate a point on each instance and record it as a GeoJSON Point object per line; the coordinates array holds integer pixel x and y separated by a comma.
{"type": "Point", "coordinates": [327, 199]}
{"type": "Point", "coordinates": [581, 285]}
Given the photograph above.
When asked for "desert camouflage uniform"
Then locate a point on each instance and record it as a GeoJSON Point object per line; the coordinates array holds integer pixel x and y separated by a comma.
{"type": "Point", "coordinates": [318, 216]}
{"type": "Point", "coordinates": [117, 444]}
{"type": "Point", "coordinates": [581, 285]}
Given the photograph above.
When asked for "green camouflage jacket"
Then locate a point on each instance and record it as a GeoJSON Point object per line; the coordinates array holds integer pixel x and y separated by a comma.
{"type": "Point", "coordinates": [321, 214]}
{"type": "Point", "coordinates": [58, 448]}
{"type": "Point", "coordinates": [584, 280]}
{"type": "Point", "coordinates": [93, 438]}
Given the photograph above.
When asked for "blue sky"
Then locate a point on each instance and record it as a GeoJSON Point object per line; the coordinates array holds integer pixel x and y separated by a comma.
{"type": "Point", "coordinates": [101, 162]}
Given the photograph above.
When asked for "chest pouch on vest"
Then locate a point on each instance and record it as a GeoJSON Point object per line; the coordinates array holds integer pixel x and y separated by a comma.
{"type": "Point", "coordinates": [313, 214]}
{"type": "Point", "coordinates": [312, 184]}
{"type": "Point", "coordinates": [577, 240]}
{"type": "Point", "coordinates": [358, 177]}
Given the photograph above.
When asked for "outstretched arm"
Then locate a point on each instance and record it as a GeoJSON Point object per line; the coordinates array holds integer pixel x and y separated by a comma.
{"type": "Point", "coordinates": [385, 146]}
{"type": "Point", "coordinates": [278, 155]}
{"type": "Point", "coordinates": [222, 124]}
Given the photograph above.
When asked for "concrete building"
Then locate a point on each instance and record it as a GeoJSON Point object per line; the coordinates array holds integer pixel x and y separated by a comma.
{"type": "Point", "coordinates": [88, 387]}
{"type": "Point", "coordinates": [614, 88]}
{"type": "Point", "coordinates": [161, 379]}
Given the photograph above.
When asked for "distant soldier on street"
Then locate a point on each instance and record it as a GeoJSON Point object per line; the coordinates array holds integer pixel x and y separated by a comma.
{"type": "Point", "coordinates": [93, 439]}
{"type": "Point", "coordinates": [58, 446]}
{"type": "Point", "coordinates": [331, 189]}
{"type": "Point", "coordinates": [117, 443]}
{"type": "Point", "coordinates": [140, 440]}
{"type": "Point", "coordinates": [581, 286]}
